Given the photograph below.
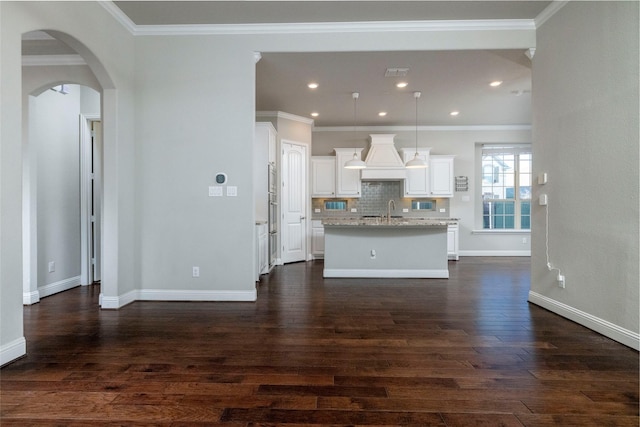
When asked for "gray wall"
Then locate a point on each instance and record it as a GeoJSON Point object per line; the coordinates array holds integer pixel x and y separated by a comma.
{"type": "Point", "coordinates": [585, 127]}
{"type": "Point", "coordinates": [55, 122]}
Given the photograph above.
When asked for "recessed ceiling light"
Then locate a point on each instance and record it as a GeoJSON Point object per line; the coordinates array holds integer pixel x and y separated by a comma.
{"type": "Point", "coordinates": [495, 83]}
{"type": "Point", "coordinates": [315, 114]}
{"type": "Point", "coordinates": [402, 84]}
{"type": "Point", "coordinates": [454, 113]}
{"type": "Point", "coordinates": [312, 85]}
{"type": "Point", "coordinates": [382, 113]}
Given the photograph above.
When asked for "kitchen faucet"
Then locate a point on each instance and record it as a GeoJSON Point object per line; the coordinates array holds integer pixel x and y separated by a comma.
{"type": "Point", "coordinates": [391, 203]}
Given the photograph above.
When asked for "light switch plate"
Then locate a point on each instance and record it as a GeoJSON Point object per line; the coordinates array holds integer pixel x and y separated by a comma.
{"type": "Point", "coordinates": [232, 191]}
{"type": "Point", "coordinates": [354, 210]}
{"type": "Point", "coordinates": [442, 210]}
{"type": "Point", "coordinates": [542, 178]}
{"type": "Point", "coordinates": [543, 200]}
{"type": "Point", "coordinates": [215, 191]}
{"type": "Point", "coordinates": [405, 210]}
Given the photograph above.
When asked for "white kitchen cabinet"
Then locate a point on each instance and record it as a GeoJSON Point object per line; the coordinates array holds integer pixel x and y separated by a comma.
{"type": "Point", "coordinates": [452, 241]}
{"type": "Point", "coordinates": [317, 239]}
{"type": "Point", "coordinates": [262, 249]}
{"type": "Point", "coordinates": [417, 182]}
{"type": "Point", "coordinates": [348, 182]}
{"type": "Point", "coordinates": [441, 176]}
{"type": "Point", "coordinates": [323, 176]}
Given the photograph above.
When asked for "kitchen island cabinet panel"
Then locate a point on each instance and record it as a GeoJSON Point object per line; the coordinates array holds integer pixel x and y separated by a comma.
{"type": "Point", "coordinates": [401, 249]}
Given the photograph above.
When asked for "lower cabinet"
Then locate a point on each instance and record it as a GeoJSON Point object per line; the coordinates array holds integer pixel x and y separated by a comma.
{"type": "Point", "coordinates": [317, 239]}
{"type": "Point", "coordinates": [262, 248]}
{"type": "Point", "coordinates": [452, 242]}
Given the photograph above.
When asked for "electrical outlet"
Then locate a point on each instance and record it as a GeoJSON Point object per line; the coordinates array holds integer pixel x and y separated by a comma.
{"type": "Point", "coordinates": [561, 282]}
{"type": "Point", "coordinates": [195, 271]}
{"type": "Point", "coordinates": [524, 240]}
{"type": "Point", "coordinates": [52, 266]}
{"type": "Point", "coordinates": [543, 200]}
{"type": "Point", "coordinates": [405, 210]}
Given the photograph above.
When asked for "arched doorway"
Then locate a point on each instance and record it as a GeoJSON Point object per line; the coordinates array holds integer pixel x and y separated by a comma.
{"type": "Point", "coordinates": [61, 190]}
{"type": "Point", "coordinates": [61, 219]}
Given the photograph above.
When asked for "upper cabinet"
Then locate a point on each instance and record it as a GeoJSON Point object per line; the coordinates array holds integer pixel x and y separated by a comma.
{"type": "Point", "coordinates": [348, 182]}
{"type": "Point", "coordinates": [441, 174]}
{"type": "Point", "coordinates": [323, 176]}
{"type": "Point", "coordinates": [329, 178]}
{"type": "Point", "coordinates": [417, 182]}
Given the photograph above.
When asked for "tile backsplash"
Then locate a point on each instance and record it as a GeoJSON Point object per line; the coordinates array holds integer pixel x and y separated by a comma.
{"type": "Point", "coordinates": [375, 199]}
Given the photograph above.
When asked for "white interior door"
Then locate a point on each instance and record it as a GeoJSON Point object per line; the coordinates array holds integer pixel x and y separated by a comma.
{"type": "Point", "coordinates": [293, 200]}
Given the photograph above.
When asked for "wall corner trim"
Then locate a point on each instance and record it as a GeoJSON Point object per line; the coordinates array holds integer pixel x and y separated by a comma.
{"type": "Point", "coordinates": [13, 350]}
{"type": "Point", "coordinates": [608, 329]}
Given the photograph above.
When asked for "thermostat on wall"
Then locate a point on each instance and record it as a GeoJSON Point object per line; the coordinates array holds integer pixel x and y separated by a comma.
{"type": "Point", "coordinates": [221, 178]}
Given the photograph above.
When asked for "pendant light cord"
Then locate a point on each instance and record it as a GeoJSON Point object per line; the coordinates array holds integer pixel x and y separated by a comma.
{"type": "Point", "coordinates": [417, 95]}
{"type": "Point", "coordinates": [355, 96]}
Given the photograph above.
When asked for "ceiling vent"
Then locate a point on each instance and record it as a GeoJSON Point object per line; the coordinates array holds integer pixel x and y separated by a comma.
{"type": "Point", "coordinates": [396, 72]}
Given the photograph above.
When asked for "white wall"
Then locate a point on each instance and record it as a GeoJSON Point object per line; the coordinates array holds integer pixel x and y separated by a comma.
{"type": "Point", "coordinates": [56, 136]}
{"type": "Point", "coordinates": [585, 128]}
{"type": "Point", "coordinates": [464, 144]}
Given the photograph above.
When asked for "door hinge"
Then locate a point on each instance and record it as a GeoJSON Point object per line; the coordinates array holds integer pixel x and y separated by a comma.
{"type": "Point", "coordinates": [93, 261]}
{"type": "Point", "coordinates": [93, 134]}
{"type": "Point", "coordinates": [93, 218]}
{"type": "Point", "coordinates": [92, 176]}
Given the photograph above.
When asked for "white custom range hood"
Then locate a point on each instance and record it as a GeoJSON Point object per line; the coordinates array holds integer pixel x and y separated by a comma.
{"type": "Point", "coordinates": [383, 161]}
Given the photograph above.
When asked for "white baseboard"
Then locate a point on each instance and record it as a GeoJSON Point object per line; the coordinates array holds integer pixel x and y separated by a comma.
{"type": "Point", "coordinates": [386, 274]}
{"type": "Point", "coordinates": [608, 329]}
{"type": "Point", "coordinates": [495, 253]}
{"type": "Point", "coordinates": [62, 285]}
{"type": "Point", "coordinates": [30, 298]}
{"type": "Point", "coordinates": [13, 350]}
{"type": "Point", "coordinates": [176, 295]}
{"type": "Point", "coordinates": [186, 295]}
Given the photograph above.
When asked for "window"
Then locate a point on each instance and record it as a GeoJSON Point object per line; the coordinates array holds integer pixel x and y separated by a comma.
{"type": "Point", "coordinates": [506, 187]}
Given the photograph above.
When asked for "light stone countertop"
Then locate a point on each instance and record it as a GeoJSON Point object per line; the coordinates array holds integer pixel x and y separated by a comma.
{"type": "Point", "coordinates": [393, 222]}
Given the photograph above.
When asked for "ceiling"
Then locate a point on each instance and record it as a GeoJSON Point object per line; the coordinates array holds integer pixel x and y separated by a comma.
{"type": "Point", "coordinates": [448, 80]}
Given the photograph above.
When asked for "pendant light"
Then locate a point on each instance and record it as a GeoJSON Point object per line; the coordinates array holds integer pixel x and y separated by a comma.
{"type": "Point", "coordinates": [416, 162]}
{"type": "Point", "coordinates": [355, 162]}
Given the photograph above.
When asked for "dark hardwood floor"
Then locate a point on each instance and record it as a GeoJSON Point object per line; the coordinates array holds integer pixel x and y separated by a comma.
{"type": "Point", "coordinates": [468, 351]}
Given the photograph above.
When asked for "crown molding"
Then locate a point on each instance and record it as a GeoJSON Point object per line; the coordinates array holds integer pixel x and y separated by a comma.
{"type": "Point", "coordinates": [287, 116]}
{"type": "Point", "coordinates": [316, 27]}
{"type": "Point", "coordinates": [52, 60]}
{"type": "Point", "coordinates": [423, 128]}
{"type": "Point", "coordinates": [336, 27]}
{"type": "Point", "coordinates": [119, 15]}
{"type": "Point", "coordinates": [549, 11]}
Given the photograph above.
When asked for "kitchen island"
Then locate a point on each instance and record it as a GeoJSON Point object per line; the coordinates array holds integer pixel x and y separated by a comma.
{"type": "Point", "coordinates": [385, 248]}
